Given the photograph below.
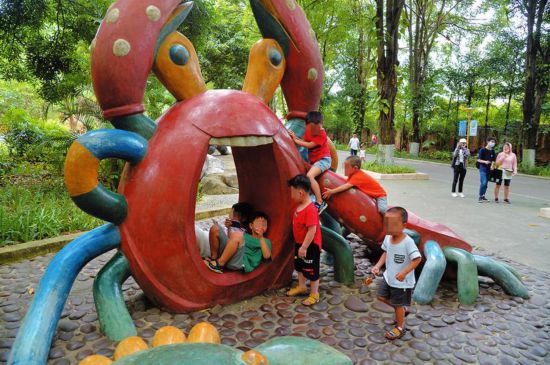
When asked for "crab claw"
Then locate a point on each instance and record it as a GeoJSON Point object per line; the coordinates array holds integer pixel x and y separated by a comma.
{"type": "Point", "coordinates": [285, 21]}
{"type": "Point", "coordinates": [124, 48]}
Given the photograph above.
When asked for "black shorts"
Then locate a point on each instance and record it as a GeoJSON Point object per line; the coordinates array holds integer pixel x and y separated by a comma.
{"type": "Point", "coordinates": [398, 297]}
{"type": "Point", "coordinates": [506, 182]}
{"type": "Point", "coordinates": [309, 266]}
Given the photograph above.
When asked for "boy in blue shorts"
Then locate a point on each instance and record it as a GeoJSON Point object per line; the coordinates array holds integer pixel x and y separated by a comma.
{"type": "Point", "coordinates": [401, 257]}
{"type": "Point", "coordinates": [316, 141]}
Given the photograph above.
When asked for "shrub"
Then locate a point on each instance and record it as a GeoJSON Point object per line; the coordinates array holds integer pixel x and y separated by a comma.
{"type": "Point", "coordinates": [387, 169]}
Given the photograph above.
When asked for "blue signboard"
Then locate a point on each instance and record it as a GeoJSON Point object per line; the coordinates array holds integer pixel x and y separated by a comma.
{"type": "Point", "coordinates": [473, 128]}
{"type": "Point", "coordinates": [462, 126]}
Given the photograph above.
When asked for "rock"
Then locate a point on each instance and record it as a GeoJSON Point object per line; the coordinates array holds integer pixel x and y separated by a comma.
{"type": "Point", "coordinates": [355, 304]}
{"type": "Point", "coordinates": [212, 165]}
{"type": "Point", "coordinates": [231, 180]}
{"type": "Point", "coordinates": [215, 185]}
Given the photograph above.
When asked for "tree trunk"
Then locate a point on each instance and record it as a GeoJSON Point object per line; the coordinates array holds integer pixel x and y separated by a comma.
{"type": "Point", "coordinates": [487, 106]}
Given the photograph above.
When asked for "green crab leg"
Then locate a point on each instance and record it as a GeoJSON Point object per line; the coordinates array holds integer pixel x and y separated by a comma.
{"type": "Point", "coordinates": [466, 282]}
{"type": "Point", "coordinates": [486, 266]}
{"type": "Point", "coordinates": [336, 245]}
{"type": "Point", "coordinates": [114, 318]}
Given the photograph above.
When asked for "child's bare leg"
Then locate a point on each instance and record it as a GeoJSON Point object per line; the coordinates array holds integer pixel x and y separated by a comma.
{"type": "Point", "coordinates": [400, 316]}
{"type": "Point", "coordinates": [506, 192]}
{"type": "Point", "coordinates": [314, 287]}
{"type": "Point", "coordinates": [228, 252]}
{"type": "Point", "coordinates": [312, 174]}
{"type": "Point", "coordinates": [384, 300]}
{"type": "Point", "coordinates": [301, 280]}
{"type": "Point", "coordinates": [214, 240]}
{"type": "Point", "coordinates": [497, 190]}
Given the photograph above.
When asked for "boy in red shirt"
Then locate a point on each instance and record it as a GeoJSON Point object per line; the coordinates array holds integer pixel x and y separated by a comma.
{"type": "Point", "coordinates": [307, 236]}
{"type": "Point", "coordinates": [316, 141]}
{"type": "Point", "coordinates": [362, 181]}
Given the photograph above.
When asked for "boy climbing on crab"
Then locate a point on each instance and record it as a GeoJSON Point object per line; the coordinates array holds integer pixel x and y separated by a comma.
{"type": "Point", "coordinates": [316, 141]}
{"type": "Point", "coordinates": [401, 257]}
{"type": "Point", "coordinates": [362, 181]}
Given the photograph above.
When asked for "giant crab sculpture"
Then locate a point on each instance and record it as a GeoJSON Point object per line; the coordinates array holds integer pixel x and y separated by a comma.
{"type": "Point", "coordinates": [151, 215]}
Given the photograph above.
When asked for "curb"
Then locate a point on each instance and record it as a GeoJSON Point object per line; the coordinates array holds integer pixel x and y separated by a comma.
{"type": "Point", "coordinates": [408, 176]}
{"type": "Point", "coordinates": [31, 249]}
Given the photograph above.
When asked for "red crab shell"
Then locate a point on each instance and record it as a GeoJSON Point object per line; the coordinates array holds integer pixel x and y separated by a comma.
{"type": "Point", "coordinates": [158, 236]}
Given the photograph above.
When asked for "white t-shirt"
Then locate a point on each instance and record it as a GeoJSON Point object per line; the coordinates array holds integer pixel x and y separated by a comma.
{"type": "Point", "coordinates": [398, 257]}
{"type": "Point", "coordinates": [354, 143]}
{"type": "Point", "coordinates": [362, 153]}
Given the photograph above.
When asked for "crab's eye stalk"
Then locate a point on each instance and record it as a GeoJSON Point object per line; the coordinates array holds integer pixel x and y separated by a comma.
{"type": "Point", "coordinates": [266, 67]}
{"type": "Point", "coordinates": [177, 67]}
{"type": "Point", "coordinates": [179, 54]}
{"type": "Point", "coordinates": [275, 57]}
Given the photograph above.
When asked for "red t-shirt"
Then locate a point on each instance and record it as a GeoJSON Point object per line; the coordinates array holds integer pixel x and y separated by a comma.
{"type": "Point", "coordinates": [321, 150]}
{"type": "Point", "coordinates": [368, 185]}
{"type": "Point", "coordinates": [307, 217]}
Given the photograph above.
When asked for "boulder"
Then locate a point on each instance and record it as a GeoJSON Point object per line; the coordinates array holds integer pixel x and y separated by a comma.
{"type": "Point", "coordinates": [215, 185]}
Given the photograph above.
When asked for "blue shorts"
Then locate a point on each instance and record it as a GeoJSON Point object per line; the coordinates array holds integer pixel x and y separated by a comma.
{"type": "Point", "coordinates": [323, 164]}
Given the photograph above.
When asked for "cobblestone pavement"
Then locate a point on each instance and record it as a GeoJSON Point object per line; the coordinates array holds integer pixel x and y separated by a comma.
{"type": "Point", "coordinates": [497, 329]}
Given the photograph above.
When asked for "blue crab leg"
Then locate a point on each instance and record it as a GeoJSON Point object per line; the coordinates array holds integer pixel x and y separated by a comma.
{"type": "Point", "coordinates": [431, 274]}
{"type": "Point", "coordinates": [35, 335]}
{"type": "Point", "coordinates": [114, 318]}
{"type": "Point", "coordinates": [466, 281]}
{"type": "Point", "coordinates": [486, 266]}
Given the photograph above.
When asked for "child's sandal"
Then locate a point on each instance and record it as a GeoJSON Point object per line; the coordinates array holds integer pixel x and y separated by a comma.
{"type": "Point", "coordinates": [395, 333]}
{"type": "Point", "coordinates": [296, 291]}
{"type": "Point", "coordinates": [311, 300]}
{"type": "Point", "coordinates": [215, 266]}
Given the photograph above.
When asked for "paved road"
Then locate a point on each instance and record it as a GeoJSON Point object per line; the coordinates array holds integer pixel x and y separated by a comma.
{"type": "Point", "coordinates": [514, 231]}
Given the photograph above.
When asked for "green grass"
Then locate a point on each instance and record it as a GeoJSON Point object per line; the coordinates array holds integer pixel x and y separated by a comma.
{"type": "Point", "coordinates": [37, 210]}
{"type": "Point", "coordinates": [387, 169]}
{"type": "Point", "coordinates": [537, 171]}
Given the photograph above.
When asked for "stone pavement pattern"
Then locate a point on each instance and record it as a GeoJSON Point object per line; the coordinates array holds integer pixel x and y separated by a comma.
{"type": "Point", "coordinates": [497, 329]}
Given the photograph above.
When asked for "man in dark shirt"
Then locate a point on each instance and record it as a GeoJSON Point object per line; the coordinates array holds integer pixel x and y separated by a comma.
{"type": "Point", "coordinates": [485, 157]}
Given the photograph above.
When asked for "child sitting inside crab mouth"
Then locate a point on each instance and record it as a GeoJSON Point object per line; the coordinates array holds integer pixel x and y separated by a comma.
{"type": "Point", "coordinates": [245, 251]}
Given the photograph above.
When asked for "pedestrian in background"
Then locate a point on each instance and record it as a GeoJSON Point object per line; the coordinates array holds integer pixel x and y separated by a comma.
{"type": "Point", "coordinates": [507, 162]}
{"type": "Point", "coordinates": [353, 145]}
{"type": "Point", "coordinates": [485, 159]}
{"type": "Point", "coordinates": [459, 166]}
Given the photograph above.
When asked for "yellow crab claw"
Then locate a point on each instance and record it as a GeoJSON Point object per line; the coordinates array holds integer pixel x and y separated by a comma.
{"type": "Point", "coordinates": [128, 346]}
{"type": "Point", "coordinates": [96, 360]}
{"type": "Point", "coordinates": [204, 332]}
{"type": "Point", "coordinates": [253, 357]}
{"type": "Point", "coordinates": [266, 67]}
{"type": "Point", "coordinates": [168, 335]}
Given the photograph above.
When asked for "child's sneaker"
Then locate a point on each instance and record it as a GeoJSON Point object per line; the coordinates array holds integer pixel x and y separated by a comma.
{"type": "Point", "coordinates": [321, 207]}
{"type": "Point", "coordinates": [454, 195]}
{"type": "Point", "coordinates": [461, 195]}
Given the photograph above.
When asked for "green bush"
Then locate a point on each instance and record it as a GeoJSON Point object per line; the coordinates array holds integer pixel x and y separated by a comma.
{"type": "Point", "coordinates": [437, 155]}
{"type": "Point", "coordinates": [387, 169]}
{"type": "Point", "coordinates": [39, 210]}
{"type": "Point", "coordinates": [537, 170]}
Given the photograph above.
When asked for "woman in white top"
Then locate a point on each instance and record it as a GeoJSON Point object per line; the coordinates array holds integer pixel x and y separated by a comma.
{"type": "Point", "coordinates": [459, 166]}
{"type": "Point", "coordinates": [507, 162]}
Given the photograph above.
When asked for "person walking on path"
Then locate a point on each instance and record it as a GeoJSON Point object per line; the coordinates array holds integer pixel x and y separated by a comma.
{"type": "Point", "coordinates": [485, 159]}
{"type": "Point", "coordinates": [459, 166]}
{"type": "Point", "coordinates": [353, 145]}
{"type": "Point", "coordinates": [507, 162]}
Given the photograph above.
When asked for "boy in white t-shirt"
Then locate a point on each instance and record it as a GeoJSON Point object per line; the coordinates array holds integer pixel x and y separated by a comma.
{"type": "Point", "coordinates": [401, 257]}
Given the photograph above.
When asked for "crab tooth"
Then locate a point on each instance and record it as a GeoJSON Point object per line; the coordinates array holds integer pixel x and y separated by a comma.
{"type": "Point", "coordinates": [241, 141]}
